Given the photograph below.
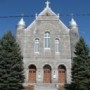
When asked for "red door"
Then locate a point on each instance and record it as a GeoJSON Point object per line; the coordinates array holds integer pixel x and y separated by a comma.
{"type": "Point", "coordinates": [61, 76]}
{"type": "Point", "coordinates": [47, 76]}
{"type": "Point", "coordinates": [32, 75]}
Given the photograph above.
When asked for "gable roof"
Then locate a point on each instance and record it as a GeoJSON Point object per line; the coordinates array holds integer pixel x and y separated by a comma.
{"type": "Point", "coordinates": [47, 11]}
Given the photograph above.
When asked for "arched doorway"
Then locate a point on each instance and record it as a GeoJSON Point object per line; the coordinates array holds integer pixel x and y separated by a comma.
{"type": "Point", "coordinates": [47, 74]}
{"type": "Point", "coordinates": [61, 74]}
{"type": "Point", "coordinates": [32, 74]}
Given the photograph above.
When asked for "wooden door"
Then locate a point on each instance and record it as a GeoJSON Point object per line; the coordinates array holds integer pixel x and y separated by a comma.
{"type": "Point", "coordinates": [47, 76]}
{"type": "Point", "coordinates": [32, 75]}
{"type": "Point", "coordinates": [62, 76]}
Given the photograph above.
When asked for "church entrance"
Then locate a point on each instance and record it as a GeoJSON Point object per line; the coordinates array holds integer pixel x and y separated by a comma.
{"type": "Point", "coordinates": [62, 74]}
{"type": "Point", "coordinates": [47, 74]}
{"type": "Point", "coordinates": [32, 74]}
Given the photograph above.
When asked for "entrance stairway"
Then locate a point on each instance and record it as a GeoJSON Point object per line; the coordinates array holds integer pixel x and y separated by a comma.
{"type": "Point", "coordinates": [45, 87]}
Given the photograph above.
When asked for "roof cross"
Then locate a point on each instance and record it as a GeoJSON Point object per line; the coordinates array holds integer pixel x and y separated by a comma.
{"type": "Point", "coordinates": [47, 3]}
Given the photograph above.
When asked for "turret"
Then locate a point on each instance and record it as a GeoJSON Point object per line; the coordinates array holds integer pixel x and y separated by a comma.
{"type": "Point", "coordinates": [21, 24]}
{"type": "Point", "coordinates": [73, 27]}
{"type": "Point", "coordinates": [74, 35]}
{"type": "Point", "coordinates": [20, 32]}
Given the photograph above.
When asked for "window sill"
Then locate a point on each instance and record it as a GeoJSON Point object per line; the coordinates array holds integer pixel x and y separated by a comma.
{"type": "Point", "coordinates": [57, 53]}
{"type": "Point", "coordinates": [46, 48]}
{"type": "Point", "coordinates": [36, 52]}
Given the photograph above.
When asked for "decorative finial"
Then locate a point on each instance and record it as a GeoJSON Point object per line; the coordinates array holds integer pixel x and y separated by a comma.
{"type": "Point", "coordinates": [47, 3]}
{"type": "Point", "coordinates": [72, 15]}
{"type": "Point", "coordinates": [36, 15]}
{"type": "Point", "coordinates": [22, 15]}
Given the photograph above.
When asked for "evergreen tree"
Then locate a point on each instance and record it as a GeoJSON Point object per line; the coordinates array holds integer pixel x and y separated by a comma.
{"type": "Point", "coordinates": [81, 66]}
{"type": "Point", "coordinates": [11, 64]}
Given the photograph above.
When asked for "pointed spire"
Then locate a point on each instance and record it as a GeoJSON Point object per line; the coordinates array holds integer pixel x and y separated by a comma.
{"type": "Point", "coordinates": [47, 3]}
{"type": "Point", "coordinates": [21, 22]}
{"type": "Point", "coordinates": [73, 22]}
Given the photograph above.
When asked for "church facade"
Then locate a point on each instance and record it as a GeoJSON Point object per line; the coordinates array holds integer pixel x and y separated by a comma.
{"type": "Point", "coordinates": [47, 45]}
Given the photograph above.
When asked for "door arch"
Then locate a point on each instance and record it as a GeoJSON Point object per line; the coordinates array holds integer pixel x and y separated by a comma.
{"type": "Point", "coordinates": [61, 74]}
{"type": "Point", "coordinates": [47, 74]}
{"type": "Point", "coordinates": [32, 73]}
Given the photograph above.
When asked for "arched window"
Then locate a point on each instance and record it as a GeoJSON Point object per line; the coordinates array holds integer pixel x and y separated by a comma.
{"type": "Point", "coordinates": [57, 46]}
{"type": "Point", "coordinates": [47, 40]}
{"type": "Point", "coordinates": [36, 46]}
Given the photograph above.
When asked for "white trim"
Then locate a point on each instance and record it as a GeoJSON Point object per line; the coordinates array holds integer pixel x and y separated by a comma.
{"type": "Point", "coordinates": [64, 25]}
{"type": "Point", "coordinates": [47, 9]}
{"type": "Point", "coordinates": [28, 28]}
{"type": "Point", "coordinates": [47, 48]}
{"type": "Point", "coordinates": [36, 52]}
{"type": "Point", "coordinates": [57, 53]}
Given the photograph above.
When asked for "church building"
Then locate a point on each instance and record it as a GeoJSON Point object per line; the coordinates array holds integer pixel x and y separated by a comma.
{"type": "Point", "coordinates": [47, 46]}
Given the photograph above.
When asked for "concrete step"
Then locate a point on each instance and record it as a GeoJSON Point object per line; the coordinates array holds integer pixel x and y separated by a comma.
{"type": "Point", "coordinates": [45, 87]}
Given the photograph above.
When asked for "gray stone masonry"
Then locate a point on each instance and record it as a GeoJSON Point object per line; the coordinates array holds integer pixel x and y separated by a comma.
{"type": "Point", "coordinates": [46, 21]}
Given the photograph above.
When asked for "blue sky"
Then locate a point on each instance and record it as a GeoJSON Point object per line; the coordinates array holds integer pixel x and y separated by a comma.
{"type": "Point", "coordinates": [80, 9]}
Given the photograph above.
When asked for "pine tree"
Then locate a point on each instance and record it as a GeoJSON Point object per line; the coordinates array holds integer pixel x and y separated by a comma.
{"type": "Point", "coordinates": [11, 64]}
{"type": "Point", "coordinates": [81, 66]}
